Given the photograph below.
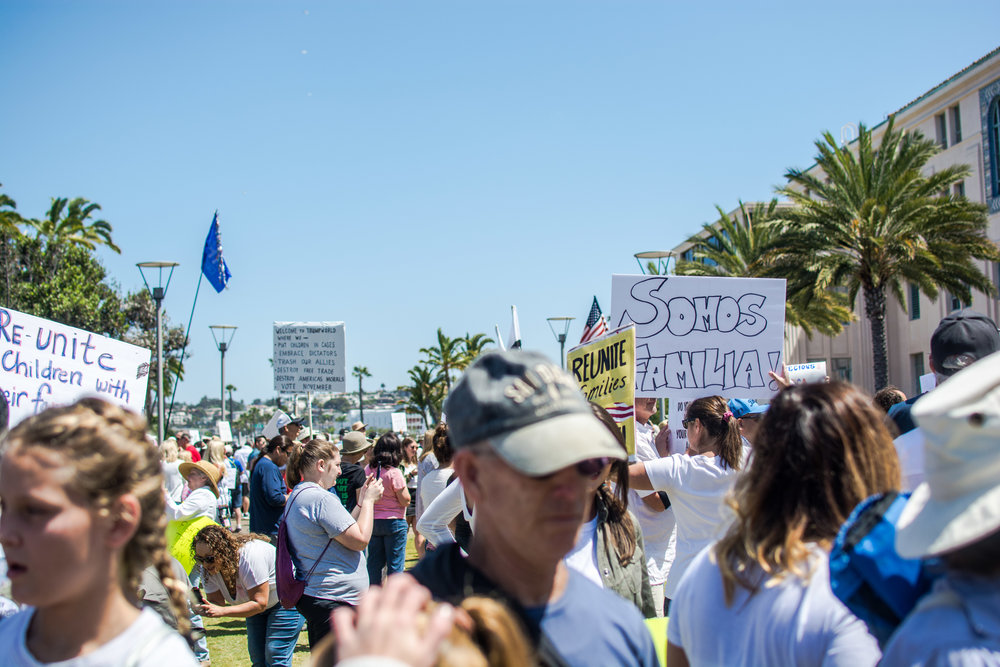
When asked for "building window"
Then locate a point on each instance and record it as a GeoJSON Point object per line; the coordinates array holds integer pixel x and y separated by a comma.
{"type": "Point", "coordinates": [917, 363]}
{"type": "Point", "coordinates": [941, 130]}
{"type": "Point", "coordinates": [688, 256]}
{"type": "Point", "coordinates": [842, 368]}
{"type": "Point", "coordinates": [956, 125]}
{"type": "Point", "coordinates": [954, 302]}
{"type": "Point", "coordinates": [914, 302]}
{"type": "Point", "coordinates": [959, 189]}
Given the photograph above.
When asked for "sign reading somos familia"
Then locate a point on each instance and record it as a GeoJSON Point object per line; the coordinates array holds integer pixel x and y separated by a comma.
{"type": "Point", "coordinates": [699, 335]}
{"type": "Point", "coordinates": [605, 371]}
{"type": "Point", "coordinates": [309, 357]}
{"type": "Point", "coordinates": [46, 363]}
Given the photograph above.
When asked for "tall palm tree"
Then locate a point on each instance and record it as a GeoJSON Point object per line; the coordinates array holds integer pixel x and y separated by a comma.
{"type": "Point", "coordinates": [67, 222]}
{"type": "Point", "coordinates": [361, 372]}
{"type": "Point", "coordinates": [10, 226]}
{"type": "Point", "coordinates": [230, 389]}
{"type": "Point", "coordinates": [749, 246]}
{"type": "Point", "coordinates": [873, 221]}
{"type": "Point", "coordinates": [445, 357]}
{"type": "Point", "coordinates": [472, 346]}
{"type": "Point", "coordinates": [425, 394]}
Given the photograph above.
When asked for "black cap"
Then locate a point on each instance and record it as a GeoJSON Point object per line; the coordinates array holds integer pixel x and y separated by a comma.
{"type": "Point", "coordinates": [961, 339]}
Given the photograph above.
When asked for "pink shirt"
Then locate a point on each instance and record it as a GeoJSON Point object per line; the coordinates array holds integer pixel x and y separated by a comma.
{"type": "Point", "coordinates": [388, 507]}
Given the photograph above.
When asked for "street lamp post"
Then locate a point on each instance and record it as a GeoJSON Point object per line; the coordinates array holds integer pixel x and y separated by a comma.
{"type": "Point", "coordinates": [223, 336]}
{"type": "Point", "coordinates": [158, 293]}
{"type": "Point", "coordinates": [661, 257]}
{"type": "Point", "coordinates": [562, 322]}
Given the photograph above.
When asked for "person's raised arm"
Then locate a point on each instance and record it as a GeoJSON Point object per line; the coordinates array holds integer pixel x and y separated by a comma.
{"type": "Point", "coordinates": [637, 477]}
{"type": "Point", "coordinates": [437, 516]}
{"type": "Point", "coordinates": [356, 537]}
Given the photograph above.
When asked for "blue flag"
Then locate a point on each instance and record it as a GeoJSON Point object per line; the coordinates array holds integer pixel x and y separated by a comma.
{"type": "Point", "coordinates": [212, 264]}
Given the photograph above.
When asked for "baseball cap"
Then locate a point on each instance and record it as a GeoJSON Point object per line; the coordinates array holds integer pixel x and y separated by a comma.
{"type": "Point", "coordinates": [285, 420]}
{"type": "Point", "coordinates": [741, 407]}
{"type": "Point", "coordinates": [961, 339]}
{"type": "Point", "coordinates": [531, 412]}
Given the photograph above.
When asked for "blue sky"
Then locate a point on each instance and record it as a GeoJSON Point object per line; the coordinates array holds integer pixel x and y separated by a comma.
{"type": "Point", "coordinates": [404, 166]}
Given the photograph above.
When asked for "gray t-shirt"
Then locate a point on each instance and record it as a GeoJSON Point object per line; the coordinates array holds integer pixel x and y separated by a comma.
{"type": "Point", "coordinates": [314, 518]}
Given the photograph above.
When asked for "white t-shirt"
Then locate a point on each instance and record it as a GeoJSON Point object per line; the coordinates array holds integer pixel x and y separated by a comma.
{"type": "Point", "coordinates": [148, 642]}
{"type": "Point", "coordinates": [791, 622]}
{"type": "Point", "coordinates": [437, 517]}
{"type": "Point", "coordinates": [256, 566]}
{"type": "Point", "coordinates": [433, 484]}
{"type": "Point", "coordinates": [583, 556]}
{"type": "Point", "coordinates": [658, 528]}
{"type": "Point", "coordinates": [697, 486]}
{"type": "Point", "coordinates": [200, 502]}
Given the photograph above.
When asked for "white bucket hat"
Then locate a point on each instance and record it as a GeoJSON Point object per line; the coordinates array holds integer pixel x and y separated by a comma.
{"type": "Point", "coordinates": [959, 503]}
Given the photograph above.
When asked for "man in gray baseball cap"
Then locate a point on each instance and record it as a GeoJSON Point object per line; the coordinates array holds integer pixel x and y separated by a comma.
{"type": "Point", "coordinates": [526, 445]}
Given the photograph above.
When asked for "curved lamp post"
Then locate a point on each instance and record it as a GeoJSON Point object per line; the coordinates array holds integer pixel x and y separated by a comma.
{"type": "Point", "coordinates": [661, 257]}
{"type": "Point", "coordinates": [223, 336]}
{"type": "Point", "coordinates": [563, 323]}
{"type": "Point", "coordinates": [158, 293]}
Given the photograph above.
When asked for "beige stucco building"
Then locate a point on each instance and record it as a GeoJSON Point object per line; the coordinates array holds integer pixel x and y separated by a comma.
{"type": "Point", "coordinates": [963, 115]}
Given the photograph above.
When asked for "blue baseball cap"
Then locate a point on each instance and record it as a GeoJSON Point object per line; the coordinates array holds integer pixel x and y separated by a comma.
{"type": "Point", "coordinates": [741, 407]}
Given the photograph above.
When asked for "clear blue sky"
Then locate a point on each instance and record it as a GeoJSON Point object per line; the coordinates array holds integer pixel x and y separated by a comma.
{"type": "Point", "coordinates": [404, 166]}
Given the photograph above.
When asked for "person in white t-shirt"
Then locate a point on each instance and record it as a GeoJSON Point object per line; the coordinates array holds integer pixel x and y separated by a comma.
{"type": "Point", "coordinates": [696, 482]}
{"type": "Point", "coordinates": [82, 518]}
{"type": "Point", "coordinates": [239, 578]}
{"type": "Point", "coordinates": [761, 595]}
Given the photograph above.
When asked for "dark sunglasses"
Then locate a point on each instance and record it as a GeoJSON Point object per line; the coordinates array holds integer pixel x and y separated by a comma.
{"type": "Point", "coordinates": [205, 559]}
{"type": "Point", "coordinates": [589, 468]}
{"type": "Point", "coordinates": [685, 422]}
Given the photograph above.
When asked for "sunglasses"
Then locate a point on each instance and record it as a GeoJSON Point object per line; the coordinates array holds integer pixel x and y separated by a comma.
{"type": "Point", "coordinates": [685, 422]}
{"type": "Point", "coordinates": [205, 559]}
{"type": "Point", "coordinates": [589, 468]}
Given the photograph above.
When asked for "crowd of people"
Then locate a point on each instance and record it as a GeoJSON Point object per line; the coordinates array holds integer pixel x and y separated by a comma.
{"type": "Point", "coordinates": [538, 541]}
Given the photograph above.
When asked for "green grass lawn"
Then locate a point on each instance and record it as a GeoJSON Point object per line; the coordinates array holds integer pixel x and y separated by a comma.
{"type": "Point", "coordinates": [227, 637]}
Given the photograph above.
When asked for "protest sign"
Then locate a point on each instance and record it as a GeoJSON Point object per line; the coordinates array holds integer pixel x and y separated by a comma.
{"type": "Point", "coordinates": [309, 357]}
{"type": "Point", "coordinates": [398, 422]}
{"type": "Point", "coordinates": [605, 371]}
{"type": "Point", "coordinates": [271, 427]}
{"type": "Point", "coordinates": [195, 434]}
{"type": "Point", "coordinates": [46, 363]}
{"type": "Point", "coordinates": [811, 372]}
{"type": "Point", "coordinates": [927, 382]}
{"type": "Point", "coordinates": [225, 431]}
{"type": "Point", "coordinates": [702, 335]}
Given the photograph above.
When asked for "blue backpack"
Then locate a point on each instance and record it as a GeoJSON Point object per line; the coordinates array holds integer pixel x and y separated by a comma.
{"type": "Point", "coordinates": [867, 574]}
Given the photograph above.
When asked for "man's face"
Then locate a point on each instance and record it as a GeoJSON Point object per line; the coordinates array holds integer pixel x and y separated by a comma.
{"type": "Point", "coordinates": [183, 441]}
{"type": "Point", "coordinates": [292, 430]}
{"type": "Point", "coordinates": [538, 518]}
{"type": "Point", "coordinates": [644, 409]}
{"type": "Point", "coordinates": [260, 442]}
{"type": "Point", "coordinates": [748, 426]}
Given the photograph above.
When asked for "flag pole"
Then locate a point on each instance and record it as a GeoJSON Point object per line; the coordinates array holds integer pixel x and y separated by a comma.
{"type": "Point", "coordinates": [187, 335]}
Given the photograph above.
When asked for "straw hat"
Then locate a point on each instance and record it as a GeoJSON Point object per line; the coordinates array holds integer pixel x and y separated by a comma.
{"type": "Point", "coordinates": [210, 469]}
{"type": "Point", "coordinates": [355, 442]}
{"type": "Point", "coordinates": [959, 503]}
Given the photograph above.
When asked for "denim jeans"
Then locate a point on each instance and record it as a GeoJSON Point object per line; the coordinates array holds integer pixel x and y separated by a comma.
{"type": "Point", "coordinates": [387, 548]}
{"type": "Point", "coordinates": [271, 636]}
{"type": "Point", "coordinates": [201, 645]}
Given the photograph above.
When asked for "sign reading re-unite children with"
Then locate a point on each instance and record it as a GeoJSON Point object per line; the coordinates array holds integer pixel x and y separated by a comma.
{"type": "Point", "coordinates": [696, 336]}
{"type": "Point", "coordinates": [309, 357]}
{"type": "Point", "coordinates": [46, 363]}
{"type": "Point", "coordinates": [605, 370]}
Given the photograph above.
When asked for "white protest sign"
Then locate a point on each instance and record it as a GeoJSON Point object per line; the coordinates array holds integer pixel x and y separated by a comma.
{"type": "Point", "coordinates": [927, 382]}
{"type": "Point", "coordinates": [271, 427]}
{"type": "Point", "coordinates": [810, 372]}
{"type": "Point", "coordinates": [398, 422]}
{"type": "Point", "coordinates": [46, 363]}
{"type": "Point", "coordinates": [195, 435]}
{"type": "Point", "coordinates": [309, 357]}
{"type": "Point", "coordinates": [225, 431]}
{"type": "Point", "coordinates": [698, 335]}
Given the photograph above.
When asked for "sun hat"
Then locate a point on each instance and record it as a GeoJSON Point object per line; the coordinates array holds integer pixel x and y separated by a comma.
{"type": "Point", "coordinates": [959, 503]}
{"type": "Point", "coordinates": [741, 407]}
{"type": "Point", "coordinates": [359, 426]}
{"type": "Point", "coordinates": [531, 412]}
{"type": "Point", "coordinates": [961, 339]}
{"type": "Point", "coordinates": [354, 442]}
{"type": "Point", "coordinates": [209, 469]}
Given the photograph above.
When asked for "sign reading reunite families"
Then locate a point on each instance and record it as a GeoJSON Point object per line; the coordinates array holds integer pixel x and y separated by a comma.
{"type": "Point", "coordinates": [697, 336]}
{"type": "Point", "coordinates": [46, 363]}
{"type": "Point", "coordinates": [605, 370]}
{"type": "Point", "coordinates": [309, 357]}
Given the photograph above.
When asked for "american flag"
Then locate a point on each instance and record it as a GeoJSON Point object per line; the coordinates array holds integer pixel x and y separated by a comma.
{"type": "Point", "coordinates": [596, 326]}
{"type": "Point", "coordinates": [620, 411]}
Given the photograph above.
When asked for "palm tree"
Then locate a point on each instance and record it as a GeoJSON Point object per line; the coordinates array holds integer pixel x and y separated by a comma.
{"type": "Point", "coordinates": [748, 247]}
{"type": "Point", "coordinates": [10, 226]}
{"type": "Point", "coordinates": [873, 221]}
{"type": "Point", "coordinates": [67, 222]}
{"type": "Point", "coordinates": [447, 355]}
{"type": "Point", "coordinates": [425, 394]}
{"type": "Point", "coordinates": [229, 388]}
{"type": "Point", "coordinates": [361, 372]}
{"type": "Point", "coordinates": [472, 346]}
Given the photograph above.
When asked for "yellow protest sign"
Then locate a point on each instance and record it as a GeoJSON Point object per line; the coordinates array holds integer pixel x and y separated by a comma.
{"type": "Point", "coordinates": [605, 370]}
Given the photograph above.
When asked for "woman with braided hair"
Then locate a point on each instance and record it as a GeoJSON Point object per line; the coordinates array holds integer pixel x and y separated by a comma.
{"type": "Point", "coordinates": [240, 582]}
{"type": "Point", "coordinates": [697, 481]}
{"type": "Point", "coordinates": [83, 515]}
